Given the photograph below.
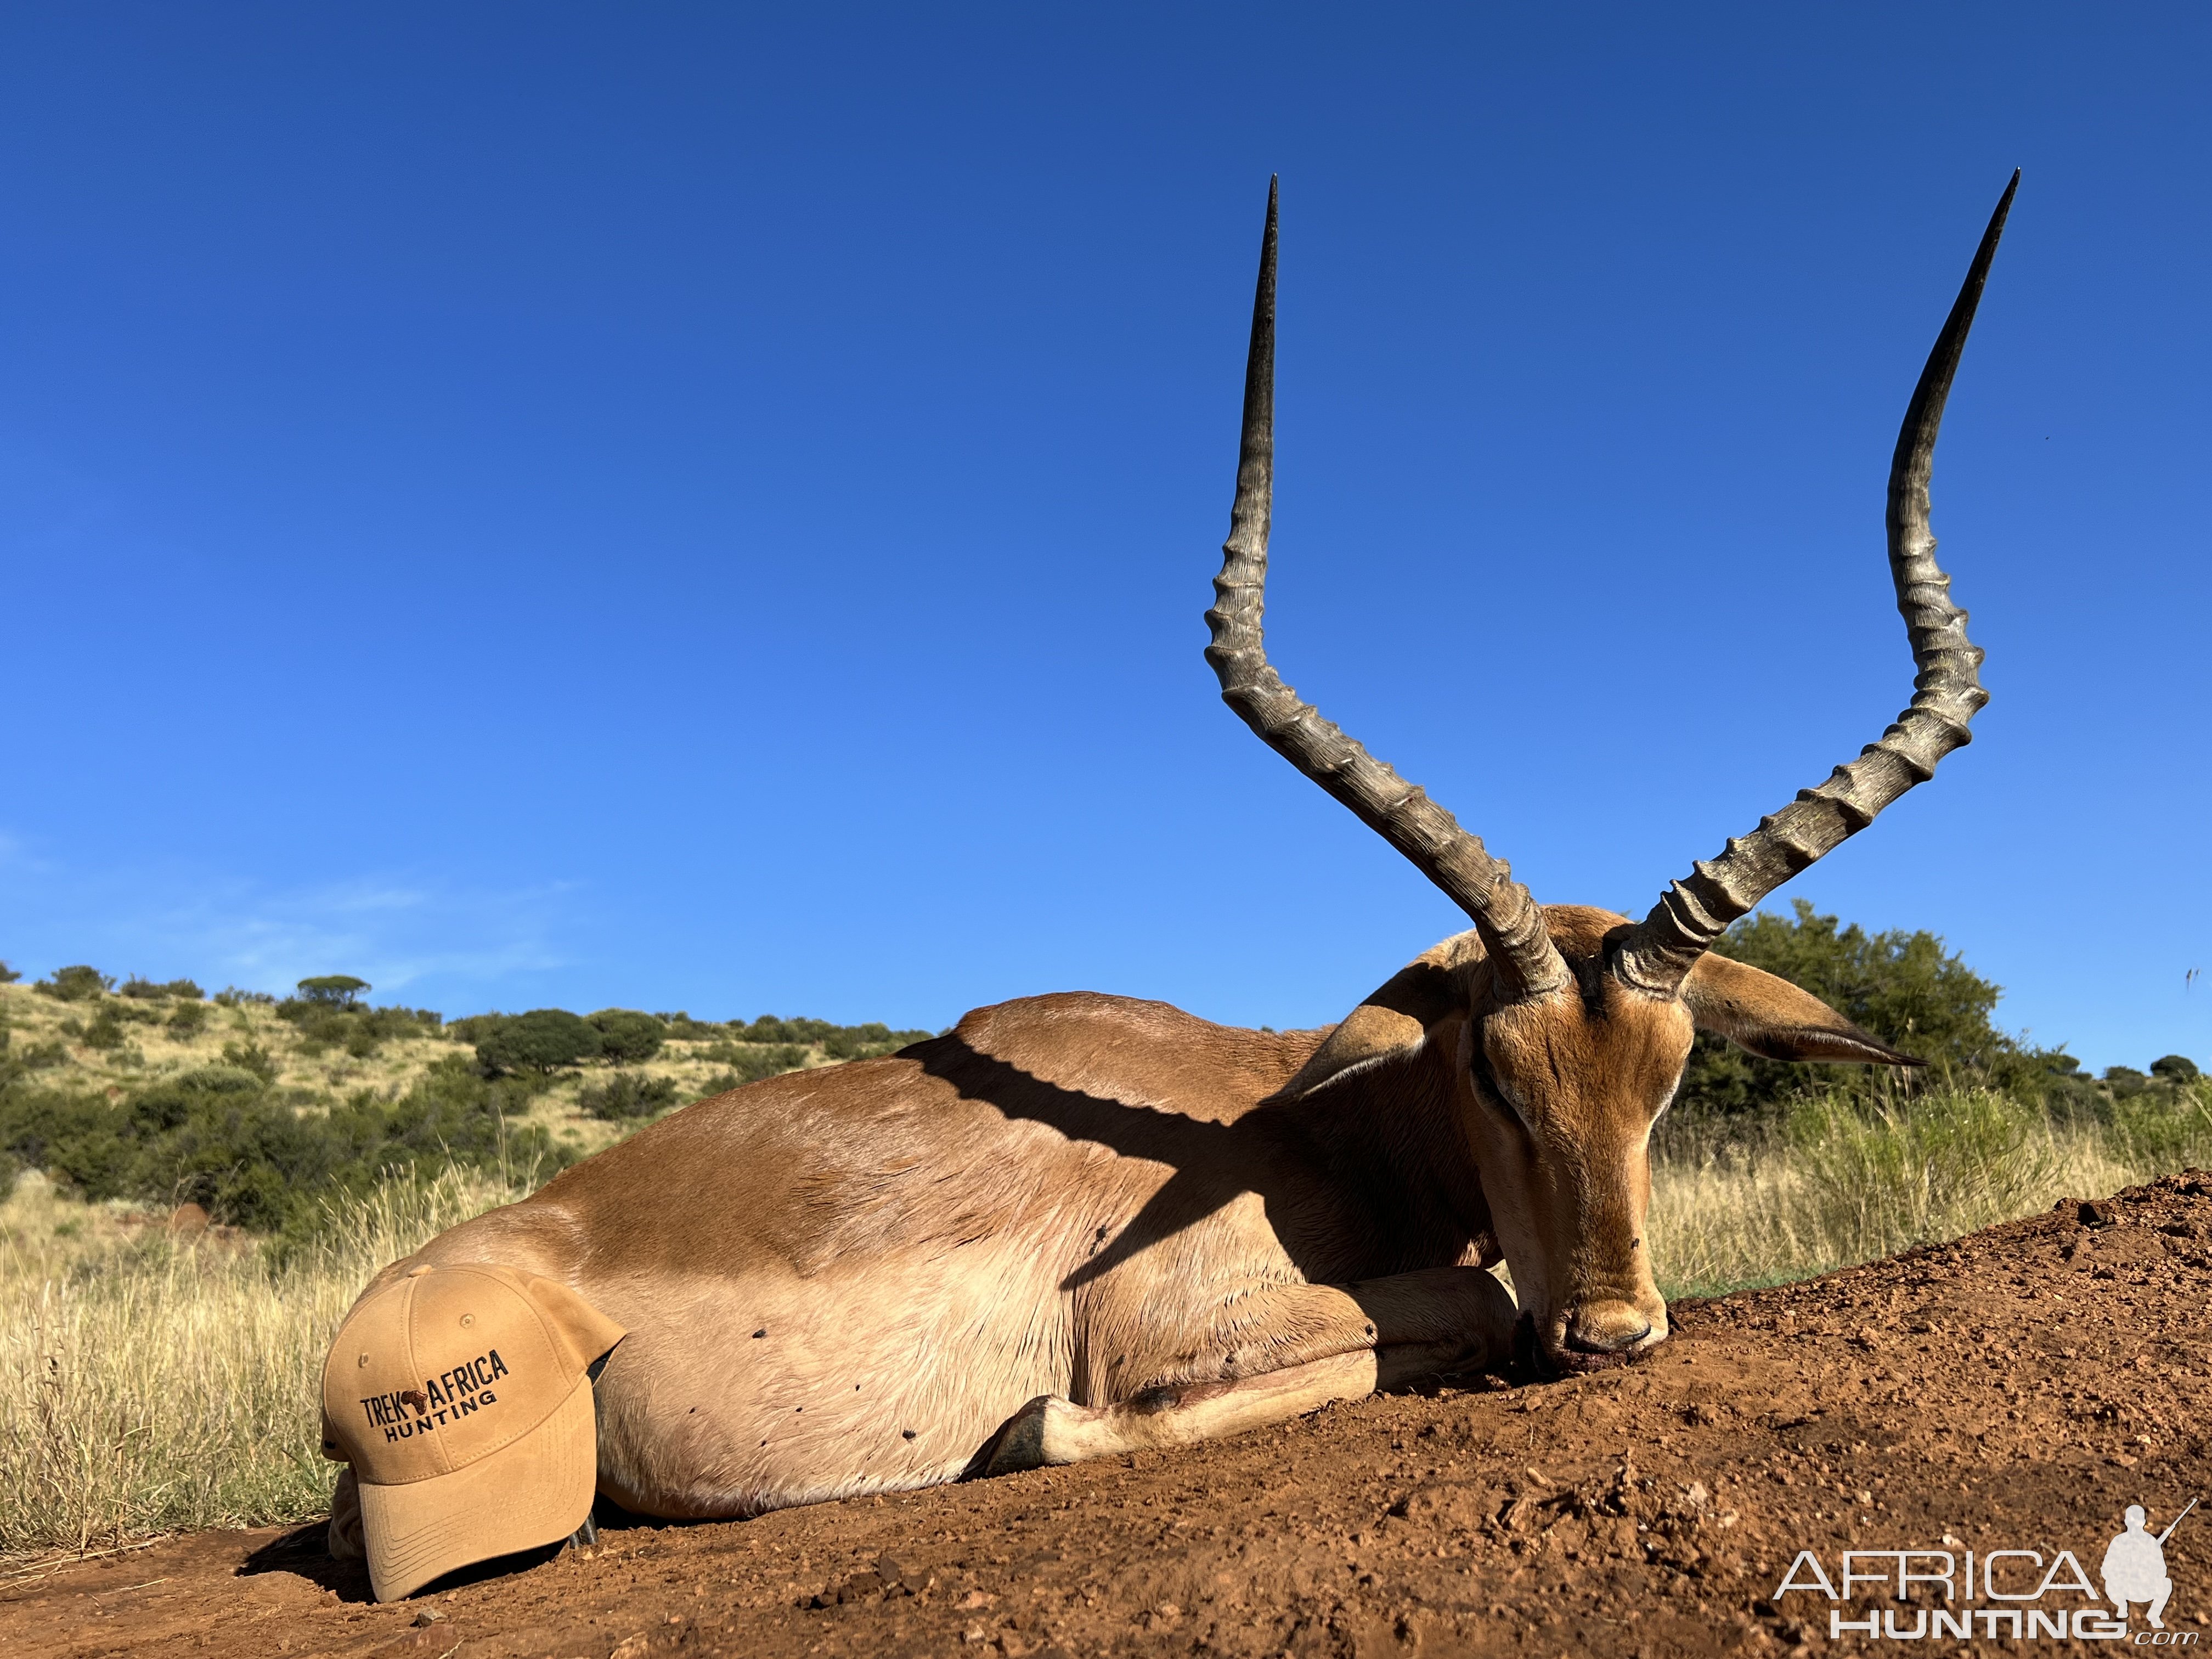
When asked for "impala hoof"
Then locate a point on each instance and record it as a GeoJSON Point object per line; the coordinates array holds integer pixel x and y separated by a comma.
{"type": "Point", "coordinates": [1020, 1444]}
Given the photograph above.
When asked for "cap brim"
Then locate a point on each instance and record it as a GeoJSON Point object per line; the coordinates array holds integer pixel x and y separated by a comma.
{"type": "Point", "coordinates": [534, 1490]}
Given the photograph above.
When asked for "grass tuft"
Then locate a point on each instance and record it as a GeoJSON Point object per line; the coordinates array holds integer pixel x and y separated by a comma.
{"type": "Point", "coordinates": [1841, 1182]}
{"type": "Point", "coordinates": [151, 1383]}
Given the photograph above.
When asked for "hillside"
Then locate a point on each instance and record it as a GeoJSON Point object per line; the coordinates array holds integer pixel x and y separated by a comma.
{"type": "Point", "coordinates": [159, 1093]}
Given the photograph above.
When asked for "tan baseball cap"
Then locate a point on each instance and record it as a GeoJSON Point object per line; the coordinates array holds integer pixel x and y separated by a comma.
{"type": "Point", "coordinates": [459, 1396]}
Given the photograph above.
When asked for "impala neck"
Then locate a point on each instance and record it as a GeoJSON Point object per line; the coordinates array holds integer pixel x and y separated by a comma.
{"type": "Point", "coordinates": [1403, 1192]}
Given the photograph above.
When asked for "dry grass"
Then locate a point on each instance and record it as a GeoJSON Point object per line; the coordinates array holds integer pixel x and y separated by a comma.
{"type": "Point", "coordinates": [152, 1384]}
{"type": "Point", "coordinates": [1842, 1185]}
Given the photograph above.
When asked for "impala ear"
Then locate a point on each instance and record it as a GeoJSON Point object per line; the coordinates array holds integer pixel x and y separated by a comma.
{"type": "Point", "coordinates": [1396, 1020]}
{"type": "Point", "coordinates": [1773, 1018]}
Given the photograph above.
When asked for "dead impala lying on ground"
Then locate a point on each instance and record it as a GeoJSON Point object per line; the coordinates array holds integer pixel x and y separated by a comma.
{"type": "Point", "coordinates": [1081, 1224]}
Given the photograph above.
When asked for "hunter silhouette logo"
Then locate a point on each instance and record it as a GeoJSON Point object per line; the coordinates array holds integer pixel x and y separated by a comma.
{"type": "Point", "coordinates": [2135, 1566]}
{"type": "Point", "coordinates": [2018, 1593]}
{"type": "Point", "coordinates": [445, 1398]}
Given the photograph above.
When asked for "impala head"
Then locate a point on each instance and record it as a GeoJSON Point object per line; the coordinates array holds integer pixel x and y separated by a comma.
{"type": "Point", "coordinates": [1571, 1026]}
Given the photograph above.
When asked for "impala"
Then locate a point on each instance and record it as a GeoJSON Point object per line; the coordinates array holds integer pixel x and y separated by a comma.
{"type": "Point", "coordinates": [1076, 1225]}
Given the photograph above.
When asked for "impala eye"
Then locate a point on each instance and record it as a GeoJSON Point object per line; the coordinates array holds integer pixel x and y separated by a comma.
{"type": "Point", "coordinates": [1513, 1102]}
{"type": "Point", "coordinates": [1485, 1082]}
{"type": "Point", "coordinates": [1488, 1083]}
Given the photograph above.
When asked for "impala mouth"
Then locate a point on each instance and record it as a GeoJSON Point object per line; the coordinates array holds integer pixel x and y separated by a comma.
{"type": "Point", "coordinates": [1545, 1362]}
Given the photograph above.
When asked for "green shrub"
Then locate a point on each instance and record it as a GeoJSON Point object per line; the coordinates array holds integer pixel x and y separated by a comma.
{"type": "Point", "coordinates": [625, 1095]}
{"type": "Point", "coordinates": [2068, 1094]}
{"type": "Point", "coordinates": [8, 975]}
{"type": "Point", "coordinates": [79, 983]}
{"type": "Point", "coordinates": [542, 1040]}
{"type": "Point", "coordinates": [146, 990]}
{"type": "Point", "coordinates": [328, 1023]}
{"type": "Point", "coordinates": [1904, 988]}
{"type": "Point", "coordinates": [2175, 1068]}
{"type": "Point", "coordinates": [682, 1028]}
{"type": "Point", "coordinates": [36, 1057]}
{"type": "Point", "coordinates": [333, 990]}
{"type": "Point", "coordinates": [231, 997]}
{"type": "Point", "coordinates": [768, 1029]}
{"type": "Point", "coordinates": [2124, 1081]}
{"type": "Point", "coordinates": [867, 1042]}
{"type": "Point", "coordinates": [627, 1036]}
{"type": "Point", "coordinates": [187, 1020]}
{"type": "Point", "coordinates": [251, 1056]}
{"type": "Point", "coordinates": [751, 1062]}
{"type": "Point", "coordinates": [105, 1033]}
{"type": "Point", "coordinates": [838, 1041]}
{"type": "Point", "coordinates": [218, 1137]}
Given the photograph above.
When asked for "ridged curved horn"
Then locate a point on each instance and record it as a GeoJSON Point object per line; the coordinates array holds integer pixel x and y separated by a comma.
{"type": "Point", "coordinates": [1511, 925]}
{"type": "Point", "coordinates": [1947, 692]}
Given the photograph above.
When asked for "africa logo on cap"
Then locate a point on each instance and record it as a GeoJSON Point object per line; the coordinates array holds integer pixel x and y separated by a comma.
{"type": "Point", "coordinates": [459, 1395]}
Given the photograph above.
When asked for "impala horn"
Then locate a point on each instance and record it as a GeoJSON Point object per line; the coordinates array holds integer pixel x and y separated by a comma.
{"type": "Point", "coordinates": [1694, 912]}
{"type": "Point", "coordinates": [1511, 927]}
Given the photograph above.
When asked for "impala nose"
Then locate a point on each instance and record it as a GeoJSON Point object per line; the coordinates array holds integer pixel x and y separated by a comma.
{"type": "Point", "coordinates": [1606, 1327]}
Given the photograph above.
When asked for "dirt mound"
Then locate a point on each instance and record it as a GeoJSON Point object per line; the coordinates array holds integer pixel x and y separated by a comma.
{"type": "Point", "coordinates": [2015, 1391]}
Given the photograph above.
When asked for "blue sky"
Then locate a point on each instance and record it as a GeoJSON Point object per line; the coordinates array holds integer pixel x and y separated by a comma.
{"type": "Point", "coordinates": [713, 507]}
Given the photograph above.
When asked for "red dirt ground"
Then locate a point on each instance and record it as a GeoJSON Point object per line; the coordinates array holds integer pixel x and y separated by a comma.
{"type": "Point", "coordinates": [2016, 1390]}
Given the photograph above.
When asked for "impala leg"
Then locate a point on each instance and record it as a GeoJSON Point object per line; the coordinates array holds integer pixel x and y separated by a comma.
{"type": "Point", "coordinates": [1053, 1430]}
{"type": "Point", "coordinates": [1383, 1333]}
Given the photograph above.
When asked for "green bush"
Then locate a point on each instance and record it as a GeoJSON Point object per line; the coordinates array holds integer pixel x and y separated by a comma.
{"type": "Point", "coordinates": [2124, 1081]}
{"type": "Point", "coordinates": [187, 1020]}
{"type": "Point", "coordinates": [80, 983]}
{"type": "Point", "coordinates": [2175, 1068]}
{"type": "Point", "coordinates": [251, 1056]}
{"type": "Point", "coordinates": [627, 1036]}
{"type": "Point", "coordinates": [1904, 988]}
{"type": "Point", "coordinates": [751, 1062]}
{"type": "Point", "coordinates": [8, 975]}
{"type": "Point", "coordinates": [218, 1137]}
{"type": "Point", "coordinates": [625, 1095]}
{"type": "Point", "coordinates": [542, 1040]}
{"type": "Point", "coordinates": [333, 990]}
{"type": "Point", "coordinates": [329, 1023]}
{"type": "Point", "coordinates": [145, 990]}
{"type": "Point", "coordinates": [768, 1029]}
{"type": "Point", "coordinates": [36, 1057]}
{"type": "Point", "coordinates": [682, 1028]}
{"type": "Point", "coordinates": [105, 1033]}
{"type": "Point", "coordinates": [838, 1041]}
{"type": "Point", "coordinates": [867, 1042]}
